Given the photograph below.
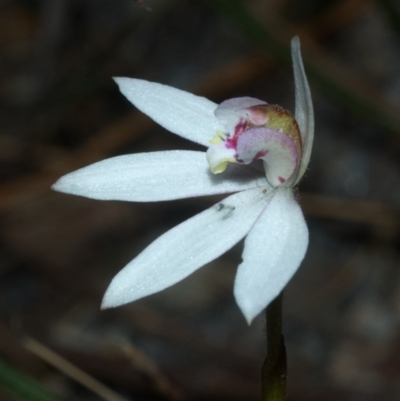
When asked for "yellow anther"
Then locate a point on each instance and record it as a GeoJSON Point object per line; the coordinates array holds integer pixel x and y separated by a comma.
{"type": "Point", "coordinates": [218, 138]}
{"type": "Point", "coordinates": [221, 166]}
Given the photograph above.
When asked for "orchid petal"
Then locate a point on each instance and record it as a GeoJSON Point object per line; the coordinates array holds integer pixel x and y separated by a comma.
{"type": "Point", "coordinates": [182, 113]}
{"type": "Point", "coordinates": [187, 247]}
{"type": "Point", "coordinates": [155, 176]}
{"type": "Point", "coordinates": [304, 111]}
{"type": "Point", "coordinates": [273, 251]}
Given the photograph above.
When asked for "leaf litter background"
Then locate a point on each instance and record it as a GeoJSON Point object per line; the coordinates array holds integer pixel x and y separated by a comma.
{"type": "Point", "coordinates": [61, 110]}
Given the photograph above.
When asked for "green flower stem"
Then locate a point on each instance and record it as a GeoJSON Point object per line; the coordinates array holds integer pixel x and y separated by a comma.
{"type": "Point", "coordinates": [274, 370]}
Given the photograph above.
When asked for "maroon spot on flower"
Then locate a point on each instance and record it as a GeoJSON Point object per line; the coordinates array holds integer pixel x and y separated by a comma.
{"type": "Point", "coordinates": [260, 154]}
{"type": "Point", "coordinates": [240, 127]}
{"type": "Point", "coordinates": [231, 143]}
{"type": "Point", "coordinates": [281, 180]}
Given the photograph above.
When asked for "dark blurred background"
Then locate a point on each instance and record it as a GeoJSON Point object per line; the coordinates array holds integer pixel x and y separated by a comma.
{"type": "Point", "coordinates": [60, 110]}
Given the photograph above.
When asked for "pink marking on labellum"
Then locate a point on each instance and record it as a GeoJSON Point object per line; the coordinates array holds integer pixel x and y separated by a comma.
{"type": "Point", "coordinates": [260, 154]}
{"type": "Point", "coordinates": [241, 126]}
{"type": "Point", "coordinates": [281, 179]}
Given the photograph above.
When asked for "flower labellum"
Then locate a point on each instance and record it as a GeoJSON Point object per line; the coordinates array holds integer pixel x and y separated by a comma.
{"type": "Point", "coordinates": [262, 208]}
{"type": "Point", "coordinates": [256, 130]}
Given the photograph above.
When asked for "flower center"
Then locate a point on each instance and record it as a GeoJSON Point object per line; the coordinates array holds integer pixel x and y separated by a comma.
{"type": "Point", "coordinates": [256, 131]}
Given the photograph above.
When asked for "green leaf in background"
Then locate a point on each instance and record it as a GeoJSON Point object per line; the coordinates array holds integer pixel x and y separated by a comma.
{"type": "Point", "coordinates": [22, 386]}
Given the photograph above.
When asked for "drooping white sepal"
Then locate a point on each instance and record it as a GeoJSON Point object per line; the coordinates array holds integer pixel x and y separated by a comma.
{"type": "Point", "coordinates": [187, 115]}
{"type": "Point", "coordinates": [273, 251]}
{"type": "Point", "coordinates": [187, 247]}
{"type": "Point", "coordinates": [156, 176]}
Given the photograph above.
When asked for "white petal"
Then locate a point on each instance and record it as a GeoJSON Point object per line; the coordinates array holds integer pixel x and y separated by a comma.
{"type": "Point", "coordinates": [304, 112]}
{"type": "Point", "coordinates": [185, 248]}
{"type": "Point", "coordinates": [180, 112]}
{"type": "Point", "coordinates": [273, 251]}
{"type": "Point", "coordinates": [156, 176]}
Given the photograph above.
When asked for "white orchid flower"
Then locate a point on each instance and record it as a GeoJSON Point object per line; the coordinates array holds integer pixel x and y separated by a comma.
{"type": "Point", "coordinates": [263, 207]}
